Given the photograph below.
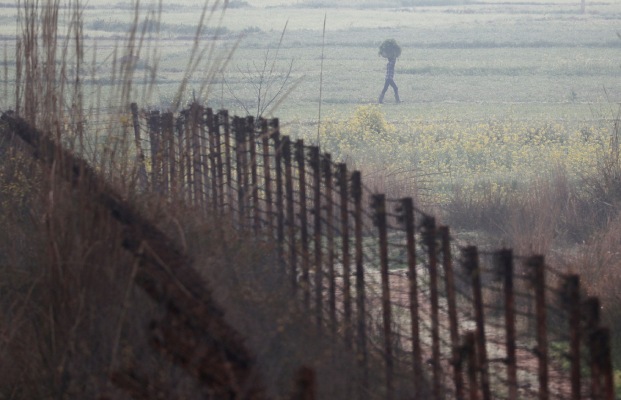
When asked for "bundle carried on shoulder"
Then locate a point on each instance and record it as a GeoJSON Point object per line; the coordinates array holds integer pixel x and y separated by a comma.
{"type": "Point", "coordinates": [390, 49]}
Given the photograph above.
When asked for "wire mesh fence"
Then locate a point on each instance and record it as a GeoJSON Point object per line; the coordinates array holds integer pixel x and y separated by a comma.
{"type": "Point", "coordinates": [447, 319]}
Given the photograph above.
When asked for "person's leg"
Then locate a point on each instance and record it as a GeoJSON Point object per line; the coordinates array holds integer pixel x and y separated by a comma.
{"type": "Point", "coordinates": [396, 89]}
{"type": "Point", "coordinates": [381, 98]}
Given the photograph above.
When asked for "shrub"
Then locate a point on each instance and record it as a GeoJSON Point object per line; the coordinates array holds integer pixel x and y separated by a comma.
{"type": "Point", "coordinates": [366, 129]}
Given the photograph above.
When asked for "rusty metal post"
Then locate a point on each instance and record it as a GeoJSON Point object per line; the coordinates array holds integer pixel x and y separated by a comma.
{"type": "Point", "coordinates": [597, 390]}
{"type": "Point", "coordinates": [470, 354]}
{"type": "Point", "coordinates": [245, 154]}
{"type": "Point", "coordinates": [471, 263]}
{"type": "Point", "coordinates": [212, 156]}
{"type": "Point", "coordinates": [606, 364]}
{"type": "Point", "coordinates": [154, 139]}
{"type": "Point", "coordinates": [571, 301]}
{"type": "Point", "coordinates": [280, 201]}
{"type": "Point", "coordinates": [208, 177]}
{"type": "Point", "coordinates": [300, 158]}
{"type": "Point", "coordinates": [537, 269]}
{"type": "Point", "coordinates": [591, 308]}
{"type": "Point", "coordinates": [267, 179]}
{"type": "Point", "coordinates": [305, 385]}
{"type": "Point", "coordinates": [356, 192]}
{"type": "Point", "coordinates": [142, 170]}
{"type": "Point", "coordinates": [188, 182]}
{"type": "Point", "coordinates": [449, 283]}
{"type": "Point", "coordinates": [591, 323]}
{"type": "Point", "coordinates": [407, 205]}
{"type": "Point", "coordinates": [254, 179]}
{"type": "Point", "coordinates": [429, 237]}
{"type": "Point", "coordinates": [172, 159]}
{"type": "Point", "coordinates": [378, 203]}
{"type": "Point", "coordinates": [168, 151]}
{"type": "Point", "coordinates": [228, 159]}
{"type": "Point", "coordinates": [217, 156]}
{"type": "Point", "coordinates": [290, 218]}
{"type": "Point", "coordinates": [197, 133]}
{"type": "Point", "coordinates": [240, 136]}
{"type": "Point", "coordinates": [343, 183]}
{"type": "Point", "coordinates": [184, 167]}
{"type": "Point", "coordinates": [179, 180]}
{"type": "Point", "coordinates": [315, 164]}
{"type": "Point", "coordinates": [602, 364]}
{"type": "Point", "coordinates": [505, 266]}
{"type": "Point", "coordinates": [327, 174]}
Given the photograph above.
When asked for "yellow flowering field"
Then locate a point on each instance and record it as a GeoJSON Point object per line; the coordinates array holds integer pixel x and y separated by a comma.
{"type": "Point", "coordinates": [502, 152]}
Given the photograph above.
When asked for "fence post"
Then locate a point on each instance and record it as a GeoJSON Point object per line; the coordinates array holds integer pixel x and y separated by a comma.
{"type": "Point", "coordinates": [182, 138]}
{"type": "Point", "coordinates": [599, 341]}
{"type": "Point", "coordinates": [327, 172]}
{"type": "Point", "coordinates": [172, 157]}
{"type": "Point", "coordinates": [505, 267]}
{"type": "Point", "coordinates": [343, 183]}
{"type": "Point", "coordinates": [378, 203]}
{"type": "Point", "coordinates": [142, 170]}
{"type": "Point", "coordinates": [267, 179]}
{"type": "Point", "coordinates": [215, 162]}
{"type": "Point", "coordinates": [225, 122]}
{"type": "Point", "coordinates": [168, 151]}
{"type": "Point", "coordinates": [197, 133]}
{"type": "Point", "coordinates": [429, 237]}
{"type": "Point", "coordinates": [471, 263]}
{"type": "Point", "coordinates": [208, 186]}
{"type": "Point", "coordinates": [154, 139]}
{"type": "Point", "coordinates": [305, 385]}
{"type": "Point", "coordinates": [470, 354]}
{"type": "Point", "coordinates": [356, 189]}
{"type": "Point", "coordinates": [179, 180]}
{"type": "Point", "coordinates": [449, 282]}
{"type": "Point", "coordinates": [300, 158]}
{"type": "Point", "coordinates": [189, 181]}
{"type": "Point", "coordinates": [217, 156]}
{"type": "Point", "coordinates": [591, 323]}
{"type": "Point", "coordinates": [240, 135]}
{"type": "Point", "coordinates": [571, 301]}
{"type": "Point", "coordinates": [537, 269]}
{"type": "Point", "coordinates": [290, 218]}
{"type": "Point", "coordinates": [315, 164]}
{"type": "Point", "coordinates": [254, 180]}
{"type": "Point", "coordinates": [407, 210]}
{"type": "Point", "coordinates": [280, 203]}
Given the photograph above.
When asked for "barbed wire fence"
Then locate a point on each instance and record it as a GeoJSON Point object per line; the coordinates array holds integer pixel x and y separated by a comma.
{"type": "Point", "coordinates": [444, 319]}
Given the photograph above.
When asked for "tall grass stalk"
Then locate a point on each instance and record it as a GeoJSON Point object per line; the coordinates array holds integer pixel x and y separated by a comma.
{"type": "Point", "coordinates": [70, 315]}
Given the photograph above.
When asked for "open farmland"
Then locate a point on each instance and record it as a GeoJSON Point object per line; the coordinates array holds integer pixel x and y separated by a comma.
{"type": "Point", "coordinates": [467, 69]}
{"type": "Point", "coordinates": [535, 60]}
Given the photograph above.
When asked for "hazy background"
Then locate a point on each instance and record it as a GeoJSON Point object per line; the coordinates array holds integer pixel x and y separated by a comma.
{"type": "Point", "coordinates": [461, 59]}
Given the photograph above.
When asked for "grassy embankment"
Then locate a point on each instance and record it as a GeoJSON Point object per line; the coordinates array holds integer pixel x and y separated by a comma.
{"type": "Point", "coordinates": [509, 111]}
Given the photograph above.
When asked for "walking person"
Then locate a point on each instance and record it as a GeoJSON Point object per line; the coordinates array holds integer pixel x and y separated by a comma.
{"type": "Point", "coordinates": [390, 50]}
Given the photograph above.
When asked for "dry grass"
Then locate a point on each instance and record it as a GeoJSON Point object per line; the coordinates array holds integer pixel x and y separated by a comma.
{"type": "Point", "coordinates": [70, 314]}
{"type": "Point", "coordinates": [575, 225]}
{"type": "Point", "coordinates": [598, 262]}
{"type": "Point", "coordinates": [66, 293]}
